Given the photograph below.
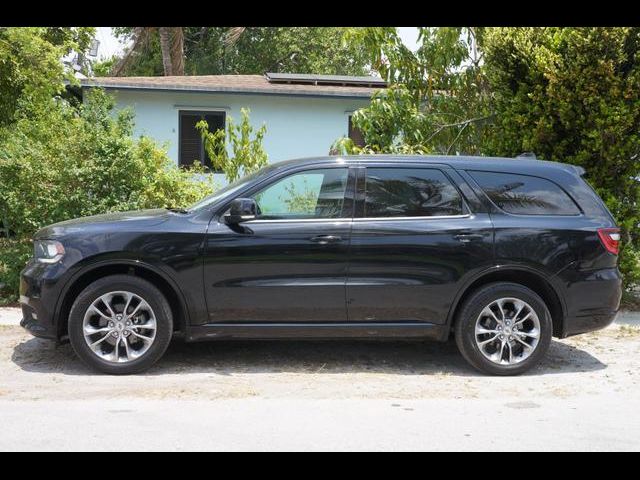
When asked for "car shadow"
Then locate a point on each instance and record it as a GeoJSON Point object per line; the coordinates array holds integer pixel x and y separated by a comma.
{"type": "Point", "coordinates": [309, 356]}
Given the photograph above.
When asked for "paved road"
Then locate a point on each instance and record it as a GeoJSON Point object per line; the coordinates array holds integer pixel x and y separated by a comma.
{"type": "Point", "coordinates": [256, 424]}
{"type": "Point", "coordinates": [323, 396]}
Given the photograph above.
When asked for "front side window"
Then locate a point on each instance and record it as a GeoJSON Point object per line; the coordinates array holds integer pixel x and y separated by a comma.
{"type": "Point", "coordinates": [524, 194]}
{"type": "Point", "coordinates": [309, 194]}
{"type": "Point", "coordinates": [410, 192]}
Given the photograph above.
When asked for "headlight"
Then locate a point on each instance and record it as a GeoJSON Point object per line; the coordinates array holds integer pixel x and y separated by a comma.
{"type": "Point", "coordinates": [48, 251]}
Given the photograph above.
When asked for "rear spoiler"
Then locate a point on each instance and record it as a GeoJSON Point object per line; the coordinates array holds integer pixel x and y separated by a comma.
{"type": "Point", "coordinates": [579, 170]}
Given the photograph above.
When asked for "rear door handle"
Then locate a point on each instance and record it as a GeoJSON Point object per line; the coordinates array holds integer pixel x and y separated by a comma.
{"type": "Point", "coordinates": [468, 237]}
{"type": "Point", "coordinates": [325, 239]}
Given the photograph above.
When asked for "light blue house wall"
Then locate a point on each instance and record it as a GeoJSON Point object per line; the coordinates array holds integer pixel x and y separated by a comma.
{"type": "Point", "coordinates": [297, 126]}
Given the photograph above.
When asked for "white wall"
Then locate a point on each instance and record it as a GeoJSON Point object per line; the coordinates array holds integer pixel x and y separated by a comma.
{"type": "Point", "coordinates": [296, 126]}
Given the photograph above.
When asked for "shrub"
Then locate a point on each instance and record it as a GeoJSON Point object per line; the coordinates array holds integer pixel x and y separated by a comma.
{"type": "Point", "coordinates": [248, 153]}
{"type": "Point", "coordinates": [68, 162]}
{"type": "Point", "coordinates": [14, 253]}
{"type": "Point", "coordinates": [573, 95]}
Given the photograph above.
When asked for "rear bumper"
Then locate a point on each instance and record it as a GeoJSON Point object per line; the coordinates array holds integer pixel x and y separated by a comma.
{"type": "Point", "coordinates": [592, 300]}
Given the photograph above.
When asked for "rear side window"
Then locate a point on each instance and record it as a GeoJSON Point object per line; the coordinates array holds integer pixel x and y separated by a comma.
{"type": "Point", "coordinates": [410, 192]}
{"type": "Point", "coordinates": [525, 195]}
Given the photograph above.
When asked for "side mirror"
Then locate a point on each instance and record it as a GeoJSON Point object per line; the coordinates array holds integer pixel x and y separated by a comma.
{"type": "Point", "coordinates": [242, 209]}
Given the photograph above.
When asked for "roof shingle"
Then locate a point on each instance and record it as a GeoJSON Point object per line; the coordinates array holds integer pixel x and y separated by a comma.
{"type": "Point", "coordinates": [227, 84]}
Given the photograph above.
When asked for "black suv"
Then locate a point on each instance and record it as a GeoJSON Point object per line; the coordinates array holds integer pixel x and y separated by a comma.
{"type": "Point", "coordinates": [501, 253]}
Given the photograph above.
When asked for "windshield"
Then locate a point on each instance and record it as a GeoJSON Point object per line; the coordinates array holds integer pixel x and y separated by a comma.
{"type": "Point", "coordinates": [229, 189]}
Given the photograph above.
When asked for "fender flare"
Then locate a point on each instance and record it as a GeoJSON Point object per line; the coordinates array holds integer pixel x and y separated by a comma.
{"type": "Point", "coordinates": [556, 287]}
{"type": "Point", "coordinates": [95, 264]}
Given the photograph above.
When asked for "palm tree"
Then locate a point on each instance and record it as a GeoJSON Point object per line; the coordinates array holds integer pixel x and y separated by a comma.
{"type": "Point", "coordinates": [233, 35]}
{"type": "Point", "coordinates": [171, 44]}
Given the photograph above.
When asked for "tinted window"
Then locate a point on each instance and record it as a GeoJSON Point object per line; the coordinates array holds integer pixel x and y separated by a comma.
{"type": "Point", "coordinates": [309, 194]}
{"type": "Point", "coordinates": [524, 194]}
{"type": "Point", "coordinates": [410, 192]}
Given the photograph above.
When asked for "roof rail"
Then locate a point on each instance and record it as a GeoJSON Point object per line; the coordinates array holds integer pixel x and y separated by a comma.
{"type": "Point", "coordinates": [527, 155]}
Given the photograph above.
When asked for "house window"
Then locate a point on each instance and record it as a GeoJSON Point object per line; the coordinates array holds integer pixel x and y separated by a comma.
{"type": "Point", "coordinates": [355, 134]}
{"type": "Point", "coordinates": [191, 147]}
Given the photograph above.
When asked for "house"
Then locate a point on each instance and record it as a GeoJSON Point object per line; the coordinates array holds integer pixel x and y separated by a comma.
{"type": "Point", "coordinates": [304, 114]}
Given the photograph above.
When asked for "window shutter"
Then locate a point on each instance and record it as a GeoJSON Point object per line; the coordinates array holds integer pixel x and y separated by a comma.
{"type": "Point", "coordinates": [190, 141]}
{"type": "Point", "coordinates": [355, 135]}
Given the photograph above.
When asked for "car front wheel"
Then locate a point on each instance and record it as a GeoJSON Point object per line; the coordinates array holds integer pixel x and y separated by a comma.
{"type": "Point", "coordinates": [120, 324]}
{"type": "Point", "coordinates": [503, 329]}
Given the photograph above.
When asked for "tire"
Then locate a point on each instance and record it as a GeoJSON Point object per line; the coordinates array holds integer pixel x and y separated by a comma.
{"type": "Point", "coordinates": [151, 320]}
{"type": "Point", "coordinates": [474, 310]}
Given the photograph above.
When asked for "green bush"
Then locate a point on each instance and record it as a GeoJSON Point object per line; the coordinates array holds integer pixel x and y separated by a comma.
{"type": "Point", "coordinates": [248, 153]}
{"type": "Point", "coordinates": [66, 162]}
{"type": "Point", "coordinates": [573, 95]}
{"type": "Point", "coordinates": [14, 253]}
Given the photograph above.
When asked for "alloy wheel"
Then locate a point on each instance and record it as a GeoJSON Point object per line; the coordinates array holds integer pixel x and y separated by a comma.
{"type": "Point", "coordinates": [119, 327]}
{"type": "Point", "coordinates": [507, 331]}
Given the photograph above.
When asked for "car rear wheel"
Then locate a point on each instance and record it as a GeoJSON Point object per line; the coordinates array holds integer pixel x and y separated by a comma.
{"type": "Point", "coordinates": [503, 329]}
{"type": "Point", "coordinates": [120, 324]}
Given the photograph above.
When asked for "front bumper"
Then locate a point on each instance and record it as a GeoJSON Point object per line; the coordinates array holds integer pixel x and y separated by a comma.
{"type": "Point", "coordinates": [39, 293]}
{"type": "Point", "coordinates": [30, 322]}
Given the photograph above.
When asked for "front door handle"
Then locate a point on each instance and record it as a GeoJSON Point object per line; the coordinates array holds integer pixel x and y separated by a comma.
{"type": "Point", "coordinates": [468, 237]}
{"type": "Point", "coordinates": [326, 239]}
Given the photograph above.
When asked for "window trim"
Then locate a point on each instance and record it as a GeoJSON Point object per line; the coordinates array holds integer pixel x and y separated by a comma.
{"type": "Point", "coordinates": [361, 194]}
{"type": "Point", "coordinates": [202, 111]}
{"type": "Point", "coordinates": [397, 219]}
{"type": "Point", "coordinates": [469, 173]}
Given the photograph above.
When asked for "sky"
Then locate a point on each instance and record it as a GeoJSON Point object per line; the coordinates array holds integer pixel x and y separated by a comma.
{"type": "Point", "coordinates": [109, 45]}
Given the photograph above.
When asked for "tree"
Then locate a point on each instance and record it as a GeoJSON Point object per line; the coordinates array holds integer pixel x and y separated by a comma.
{"type": "Point", "coordinates": [573, 95]}
{"type": "Point", "coordinates": [438, 100]}
{"type": "Point", "coordinates": [248, 153]}
{"type": "Point", "coordinates": [250, 50]}
{"type": "Point", "coordinates": [31, 71]}
{"type": "Point", "coordinates": [171, 42]}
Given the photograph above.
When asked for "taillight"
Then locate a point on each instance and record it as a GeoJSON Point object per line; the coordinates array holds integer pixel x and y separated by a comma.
{"type": "Point", "coordinates": [610, 238]}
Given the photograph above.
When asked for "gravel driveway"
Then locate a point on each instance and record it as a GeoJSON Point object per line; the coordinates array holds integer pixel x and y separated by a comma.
{"type": "Point", "coordinates": [587, 387]}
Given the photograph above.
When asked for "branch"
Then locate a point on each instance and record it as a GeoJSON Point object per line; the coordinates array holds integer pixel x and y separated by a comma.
{"type": "Point", "coordinates": [464, 123]}
{"type": "Point", "coordinates": [457, 137]}
{"type": "Point", "coordinates": [140, 36]}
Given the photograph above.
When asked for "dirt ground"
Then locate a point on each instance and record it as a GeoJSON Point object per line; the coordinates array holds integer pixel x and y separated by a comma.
{"type": "Point", "coordinates": [597, 364]}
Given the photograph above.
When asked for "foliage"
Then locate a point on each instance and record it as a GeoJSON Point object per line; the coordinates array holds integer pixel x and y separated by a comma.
{"type": "Point", "coordinates": [31, 72]}
{"type": "Point", "coordinates": [102, 68]}
{"type": "Point", "coordinates": [573, 95]}
{"type": "Point", "coordinates": [300, 202]}
{"type": "Point", "coordinates": [14, 254]}
{"type": "Point", "coordinates": [63, 162]}
{"type": "Point", "coordinates": [248, 154]}
{"type": "Point", "coordinates": [170, 41]}
{"type": "Point", "coordinates": [567, 94]}
{"type": "Point", "coordinates": [211, 51]}
{"type": "Point", "coordinates": [438, 101]}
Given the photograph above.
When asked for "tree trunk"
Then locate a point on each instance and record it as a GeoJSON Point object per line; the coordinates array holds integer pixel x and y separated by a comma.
{"type": "Point", "coordinates": [140, 39]}
{"type": "Point", "coordinates": [165, 46]}
{"type": "Point", "coordinates": [177, 50]}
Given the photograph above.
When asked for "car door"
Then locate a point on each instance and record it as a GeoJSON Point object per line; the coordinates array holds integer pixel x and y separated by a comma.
{"type": "Point", "coordinates": [290, 263]}
{"type": "Point", "coordinates": [416, 238]}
